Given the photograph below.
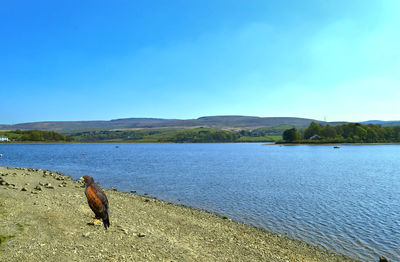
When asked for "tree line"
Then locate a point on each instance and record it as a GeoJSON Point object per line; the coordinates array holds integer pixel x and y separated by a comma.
{"type": "Point", "coordinates": [195, 135]}
{"type": "Point", "coordinates": [35, 135]}
{"type": "Point", "coordinates": [345, 133]}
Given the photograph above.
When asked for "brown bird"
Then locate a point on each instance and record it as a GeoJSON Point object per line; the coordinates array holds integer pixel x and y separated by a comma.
{"type": "Point", "coordinates": [97, 201]}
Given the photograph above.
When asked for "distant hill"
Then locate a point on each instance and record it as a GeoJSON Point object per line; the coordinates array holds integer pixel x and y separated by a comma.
{"type": "Point", "coordinates": [219, 122]}
{"type": "Point", "coordinates": [62, 126]}
{"type": "Point", "coordinates": [380, 122]}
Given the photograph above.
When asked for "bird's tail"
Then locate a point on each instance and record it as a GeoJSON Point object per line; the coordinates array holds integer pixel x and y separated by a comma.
{"type": "Point", "coordinates": [106, 222]}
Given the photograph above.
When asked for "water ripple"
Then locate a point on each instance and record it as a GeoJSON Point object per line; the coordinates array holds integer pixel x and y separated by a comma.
{"type": "Point", "coordinates": [346, 200]}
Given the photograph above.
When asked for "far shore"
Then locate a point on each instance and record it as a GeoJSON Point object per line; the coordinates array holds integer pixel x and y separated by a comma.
{"type": "Point", "coordinates": [332, 144]}
{"type": "Point", "coordinates": [238, 142]}
{"type": "Point", "coordinates": [44, 217]}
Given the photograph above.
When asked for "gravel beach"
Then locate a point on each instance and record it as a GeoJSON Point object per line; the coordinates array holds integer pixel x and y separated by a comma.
{"type": "Point", "coordinates": [44, 217]}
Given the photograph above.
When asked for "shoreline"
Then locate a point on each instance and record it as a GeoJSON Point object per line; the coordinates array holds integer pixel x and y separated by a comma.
{"type": "Point", "coordinates": [333, 144]}
{"type": "Point", "coordinates": [133, 142]}
{"type": "Point", "coordinates": [51, 223]}
{"type": "Point", "coordinates": [238, 142]}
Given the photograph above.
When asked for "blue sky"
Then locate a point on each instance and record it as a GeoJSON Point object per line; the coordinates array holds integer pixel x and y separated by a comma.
{"type": "Point", "coordinates": [101, 60]}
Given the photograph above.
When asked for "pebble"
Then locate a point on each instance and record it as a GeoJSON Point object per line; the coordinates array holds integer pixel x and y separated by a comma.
{"type": "Point", "coordinates": [48, 185]}
{"type": "Point", "coordinates": [133, 191]}
{"type": "Point", "coordinates": [24, 189]}
{"type": "Point", "coordinates": [38, 188]}
{"type": "Point", "coordinates": [141, 235]}
{"type": "Point", "coordinates": [383, 259]}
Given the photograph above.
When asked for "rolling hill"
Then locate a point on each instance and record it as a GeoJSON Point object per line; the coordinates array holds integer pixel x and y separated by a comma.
{"type": "Point", "coordinates": [219, 122]}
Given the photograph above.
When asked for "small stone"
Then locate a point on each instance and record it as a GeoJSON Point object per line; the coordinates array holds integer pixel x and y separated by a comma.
{"type": "Point", "coordinates": [41, 184]}
{"type": "Point", "coordinates": [38, 188]}
{"type": "Point", "coordinates": [24, 189]}
{"type": "Point", "coordinates": [86, 234]}
{"type": "Point", "coordinates": [50, 186]}
{"type": "Point", "coordinates": [113, 189]}
{"type": "Point", "coordinates": [133, 191]}
{"type": "Point", "coordinates": [383, 259]}
{"type": "Point", "coordinates": [141, 235]}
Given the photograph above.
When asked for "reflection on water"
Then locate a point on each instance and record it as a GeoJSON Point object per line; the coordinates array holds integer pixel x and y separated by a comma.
{"type": "Point", "coordinates": [345, 200]}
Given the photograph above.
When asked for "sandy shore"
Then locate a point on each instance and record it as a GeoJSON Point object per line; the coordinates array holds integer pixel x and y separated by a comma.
{"type": "Point", "coordinates": [44, 217]}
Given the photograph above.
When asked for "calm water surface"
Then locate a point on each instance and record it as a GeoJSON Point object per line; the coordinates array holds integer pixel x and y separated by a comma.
{"type": "Point", "coordinates": [345, 200]}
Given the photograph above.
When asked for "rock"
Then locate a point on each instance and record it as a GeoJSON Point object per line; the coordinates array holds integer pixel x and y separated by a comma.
{"type": "Point", "coordinates": [383, 259]}
{"type": "Point", "coordinates": [86, 234]}
{"type": "Point", "coordinates": [38, 188]}
{"type": "Point", "coordinates": [133, 191]}
{"type": "Point", "coordinates": [24, 189]}
{"type": "Point", "coordinates": [113, 189]}
{"type": "Point", "coordinates": [41, 184]}
{"type": "Point", "coordinates": [49, 186]}
{"type": "Point", "coordinates": [141, 235]}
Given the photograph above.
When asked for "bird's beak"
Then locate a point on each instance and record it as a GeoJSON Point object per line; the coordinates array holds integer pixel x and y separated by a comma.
{"type": "Point", "coordinates": [82, 178]}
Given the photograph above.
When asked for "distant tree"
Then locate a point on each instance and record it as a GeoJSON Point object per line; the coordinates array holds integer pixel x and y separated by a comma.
{"type": "Point", "coordinates": [291, 135]}
{"type": "Point", "coordinates": [361, 133]}
{"type": "Point", "coordinates": [312, 129]}
{"type": "Point", "coordinates": [328, 132]}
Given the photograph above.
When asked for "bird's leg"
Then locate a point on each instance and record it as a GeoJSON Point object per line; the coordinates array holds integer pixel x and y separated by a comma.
{"type": "Point", "coordinates": [92, 221]}
{"type": "Point", "coordinates": [96, 221]}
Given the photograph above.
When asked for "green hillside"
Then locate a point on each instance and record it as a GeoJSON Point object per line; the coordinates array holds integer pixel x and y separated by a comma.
{"type": "Point", "coordinates": [195, 135]}
{"type": "Point", "coordinates": [217, 122]}
{"type": "Point", "coordinates": [35, 135]}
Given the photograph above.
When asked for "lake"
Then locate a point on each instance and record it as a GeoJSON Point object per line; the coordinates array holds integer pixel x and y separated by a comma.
{"type": "Point", "coordinates": [345, 200]}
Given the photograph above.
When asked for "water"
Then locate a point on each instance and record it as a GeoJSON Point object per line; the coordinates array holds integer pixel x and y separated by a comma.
{"type": "Point", "coordinates": [344, 200]}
